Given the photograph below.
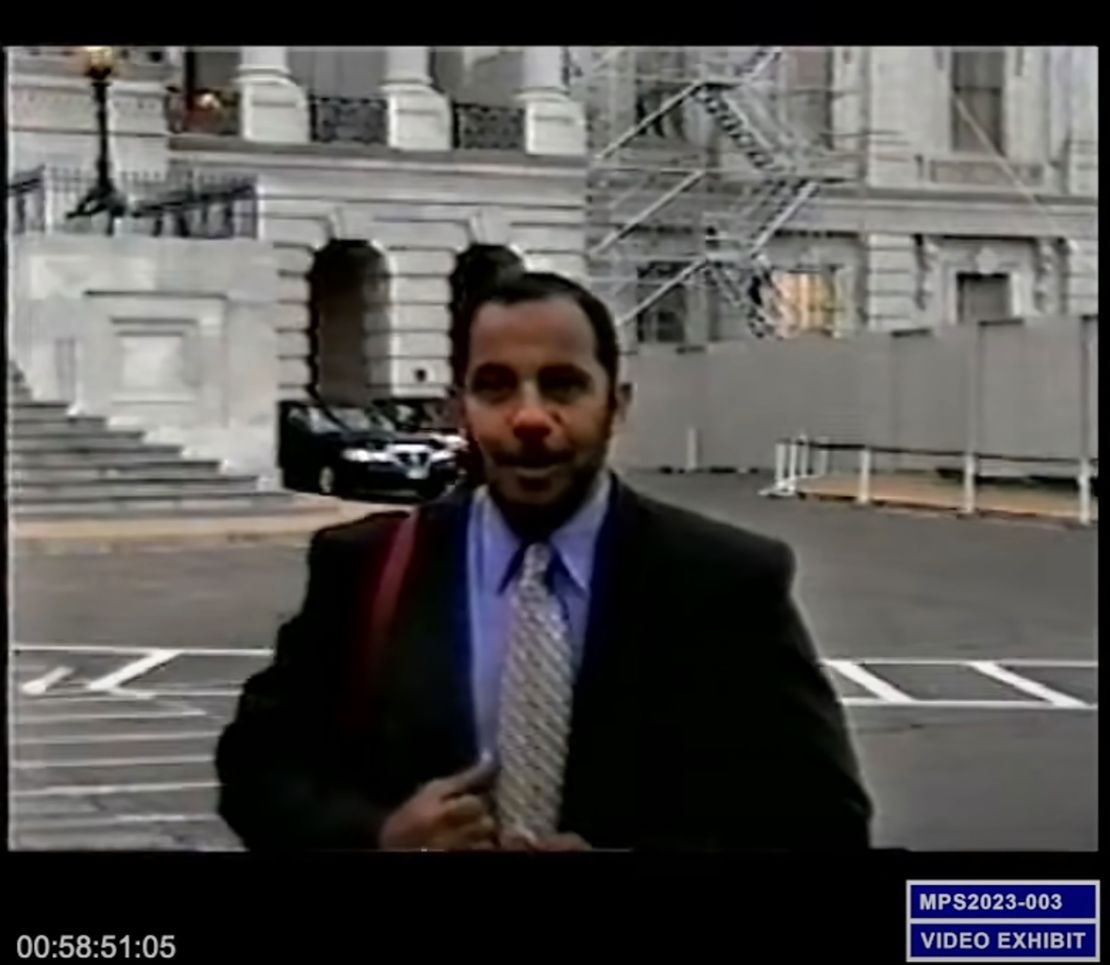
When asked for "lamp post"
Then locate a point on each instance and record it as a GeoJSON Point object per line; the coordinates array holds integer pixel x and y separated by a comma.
{"type": "Point", "coordinates": [99, 63]}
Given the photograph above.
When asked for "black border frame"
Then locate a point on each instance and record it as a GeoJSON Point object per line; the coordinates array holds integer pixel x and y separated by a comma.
{"type": "Point", "coordinates": [348, 906]}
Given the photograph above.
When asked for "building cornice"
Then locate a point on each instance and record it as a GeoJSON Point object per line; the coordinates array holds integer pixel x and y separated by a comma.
{"type": "Point", "coordinates": [354, 156]}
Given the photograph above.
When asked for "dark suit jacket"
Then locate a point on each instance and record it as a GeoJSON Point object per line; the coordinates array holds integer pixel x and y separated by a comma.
{"type": "Point", "coordinates": [701, 718]}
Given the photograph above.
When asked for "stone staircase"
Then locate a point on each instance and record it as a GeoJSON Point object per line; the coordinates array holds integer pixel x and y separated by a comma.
{"type": "Point", "coordinates": [61, 466]}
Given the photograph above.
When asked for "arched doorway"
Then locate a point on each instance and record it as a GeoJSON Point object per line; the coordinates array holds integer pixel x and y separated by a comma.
{"type": "Point", "coordinates": [348, 315]}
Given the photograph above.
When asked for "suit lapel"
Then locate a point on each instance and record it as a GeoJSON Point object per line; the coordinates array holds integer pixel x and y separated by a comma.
{"type": "Point", "coordinates": [603, 761]}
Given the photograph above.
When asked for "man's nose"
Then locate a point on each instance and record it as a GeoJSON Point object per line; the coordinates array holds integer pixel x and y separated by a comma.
{"type": "Point", "coordinates": [531, 416]}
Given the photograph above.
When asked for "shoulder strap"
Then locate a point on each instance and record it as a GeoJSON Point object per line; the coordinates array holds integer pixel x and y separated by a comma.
{"type": "Point", "coordinates": [381, 593]}
{"type": "Point", "coordinates": [388, 589]}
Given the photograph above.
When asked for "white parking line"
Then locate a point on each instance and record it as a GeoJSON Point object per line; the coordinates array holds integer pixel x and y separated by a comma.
{"type": "Point", "coordinates": [1039, 662]}
{"type": "Point", "coordinates": [990, 668]}
{"type": "Point", "coordinates": [1063, 664]}
{"type": "Point", "coordinates": [882, 689]}
{"type": "Point", "coordinates": [174, 692]}
{"type": "Point", "coordinates": [98, 648]}
{"type": "Point", "coordinates": [112, 820]}
{"type": "Point", "coordinates": [80, 697]}
{"type": "Point", "coordinates": [112, 738]}
{"type": "Point", "coordinates": [105, 648]}
{"type": "Point", "coordinates": [83, 790]}
{"type": "Point", "coordinates": [113, 762]}
{"type": "Point", "coordinates": [40, 685]}
{"type": "Point", "coordinates": [942, 704]}
{"type": "Point", "coordinates": [131, 671]}
{"type": "Point", "coordinates": [173, 698]}
{"type": "Point", "coordinates": [127, 715]}
{"type": "Point", "coordinates": [220, 684]}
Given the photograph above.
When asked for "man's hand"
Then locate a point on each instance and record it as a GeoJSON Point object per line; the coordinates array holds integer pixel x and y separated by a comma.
{"type": "Point", "coordinates": [445, 815]}
{"type": "Point", "coordinates": [514, 841]}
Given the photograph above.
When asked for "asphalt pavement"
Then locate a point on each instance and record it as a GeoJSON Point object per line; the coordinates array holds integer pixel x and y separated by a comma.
{"type": "Point", "coordinates": [964, 650]}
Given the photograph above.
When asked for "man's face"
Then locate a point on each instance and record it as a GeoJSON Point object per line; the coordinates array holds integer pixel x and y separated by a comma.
{"type": "Point", "coordinates": [537, 404]}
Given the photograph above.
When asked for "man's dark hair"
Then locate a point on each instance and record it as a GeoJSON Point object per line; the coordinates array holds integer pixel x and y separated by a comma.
{"type": "Point", "coordinates": [479, 268]}
{"type": "Point", "coordinates": [534, 286]}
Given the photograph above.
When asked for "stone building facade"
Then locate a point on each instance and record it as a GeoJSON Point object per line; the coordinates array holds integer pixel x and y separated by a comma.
{"type": "Point", "coordinates": [376, 169]}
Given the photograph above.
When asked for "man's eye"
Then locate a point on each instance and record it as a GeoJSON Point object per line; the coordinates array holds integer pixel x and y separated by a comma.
{"type": "Point", "coordinates": [491, 385]}
{"type": "Point", "coordinates": [564, 386]}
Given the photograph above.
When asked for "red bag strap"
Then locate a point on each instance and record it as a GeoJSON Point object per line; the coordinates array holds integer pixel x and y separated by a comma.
{"type": "Point", "coordinates": [388, 590]}
{"type": "Point", "coordinates": [363, 689]}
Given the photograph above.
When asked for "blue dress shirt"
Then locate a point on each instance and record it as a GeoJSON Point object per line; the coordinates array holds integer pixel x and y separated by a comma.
{"type": "Point", "coordinates": [493, 556]}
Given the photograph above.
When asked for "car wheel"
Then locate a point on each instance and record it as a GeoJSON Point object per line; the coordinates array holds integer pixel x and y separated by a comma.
{"type": "Point", "coordinates": [325, 482]}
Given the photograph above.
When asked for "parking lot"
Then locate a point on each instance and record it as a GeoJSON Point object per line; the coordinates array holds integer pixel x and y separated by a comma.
{"type": "Point", "coordinates": [963, 649]}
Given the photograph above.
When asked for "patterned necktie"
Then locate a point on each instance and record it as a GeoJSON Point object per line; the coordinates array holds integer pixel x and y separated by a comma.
{"type": "Point", "coordinates": [536, 695]}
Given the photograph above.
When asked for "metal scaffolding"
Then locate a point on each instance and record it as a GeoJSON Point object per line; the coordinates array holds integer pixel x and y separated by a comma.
{"type": "Point", "coordinates": [698, 157]}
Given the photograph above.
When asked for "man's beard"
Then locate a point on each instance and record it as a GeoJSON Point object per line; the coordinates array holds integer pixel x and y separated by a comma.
{"type": "Point", "coordinates": [532, 522]}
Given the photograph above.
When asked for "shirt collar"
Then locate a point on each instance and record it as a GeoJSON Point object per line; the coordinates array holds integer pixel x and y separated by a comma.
{"type": "Point", "coordinates": [573, 542]}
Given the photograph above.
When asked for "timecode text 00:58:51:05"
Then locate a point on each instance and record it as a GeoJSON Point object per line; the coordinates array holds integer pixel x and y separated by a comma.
{"type": "Point", "coordinates": [95, 947]}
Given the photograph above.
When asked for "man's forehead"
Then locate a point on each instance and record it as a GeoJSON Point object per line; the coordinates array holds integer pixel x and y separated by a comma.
{"type": "Point", "coordinates": [556, 325]}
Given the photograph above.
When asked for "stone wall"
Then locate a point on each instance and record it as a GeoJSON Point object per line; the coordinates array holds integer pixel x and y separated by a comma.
{"type": "Point", "coordinates": [172, 336]}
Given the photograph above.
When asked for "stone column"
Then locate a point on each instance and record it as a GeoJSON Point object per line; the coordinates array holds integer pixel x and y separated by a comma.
{"type": "Point", "coordinates": [849, 105]}
{"type": "Point", "coordinates": [1081, 134]}
{"type": "Point", "coordinates": [1023, 93]}
{"type": "Point", "coordinates": [889, 280]}
{"type": "Point", "coordinates": [1081, 276]}
{"type": "Point", "coordinates": [891, 92]}
{"type": "Point", "coordinates": [929, 294]}
{"type": "Point", "coordinates": [554, 124]}
{"type": "Point", "coordinates": [419, 115]}
{"type": "Point", "coordinates": [175, 70]}
{"type": "Point", "coordinates": [272, 107]}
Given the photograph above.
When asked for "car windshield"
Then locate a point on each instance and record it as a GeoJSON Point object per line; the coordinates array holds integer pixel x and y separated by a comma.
{"type": "Point", "coordinates": [361, 420]}
{"type": "Point", "coordinates": [414, 418]}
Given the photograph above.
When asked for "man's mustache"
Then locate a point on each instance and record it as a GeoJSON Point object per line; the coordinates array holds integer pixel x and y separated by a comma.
{"type": "Point", "coordinates": [531, 459]}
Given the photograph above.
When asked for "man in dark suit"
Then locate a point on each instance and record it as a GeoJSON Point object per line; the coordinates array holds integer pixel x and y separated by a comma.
{"type": "Point", "coordinates": [570, 665]}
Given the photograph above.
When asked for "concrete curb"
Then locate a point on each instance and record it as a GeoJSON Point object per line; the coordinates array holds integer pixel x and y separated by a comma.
{"type": "Point", "coordinates": [77, 537]}
{"type": "Point", "coordinates": [57, 546]}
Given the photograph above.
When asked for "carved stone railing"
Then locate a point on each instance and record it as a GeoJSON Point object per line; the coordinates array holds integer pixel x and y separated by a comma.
{"type": "Point", "coordinates": [354, 120]}
{"type": "Point", "coordinates": [184, 205]}
{"type": "Point", "coordinates": [483, 127]}
{"type": "Point", "coordinates": [27, 202]}
{"type": "Point", "coordinates": [199, 208]}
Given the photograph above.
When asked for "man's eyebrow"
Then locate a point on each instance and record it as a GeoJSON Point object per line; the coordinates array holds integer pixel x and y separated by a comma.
{"type": "Point", "coordinates": [552, 369]}
{"type": "Point", "coordinates": [566, 375]}
{"type": "Point", "coordinates": [565, 368]}
{"type": "Point", "coordinates": [492, 368]}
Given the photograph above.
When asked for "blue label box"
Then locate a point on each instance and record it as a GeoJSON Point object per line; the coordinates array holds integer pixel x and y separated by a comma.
{"type": "Point", "coordinates": [982, 941]}
{"type": "Point", "coordinates": [1002, 921]}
